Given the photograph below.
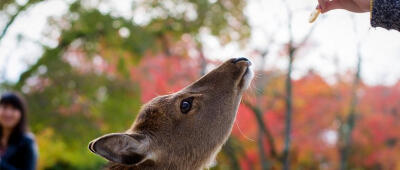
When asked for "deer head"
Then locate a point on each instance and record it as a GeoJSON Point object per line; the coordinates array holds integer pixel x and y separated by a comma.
{"type": "Point", "coordinates": [183, 130]}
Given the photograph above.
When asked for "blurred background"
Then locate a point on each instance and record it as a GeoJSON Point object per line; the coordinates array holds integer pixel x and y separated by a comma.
{"type": "Point", "coordinates": [326, 95]}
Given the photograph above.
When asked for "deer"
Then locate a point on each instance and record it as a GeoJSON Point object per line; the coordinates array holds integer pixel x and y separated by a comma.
{"type": "Point", "coordinates": [184, 130]}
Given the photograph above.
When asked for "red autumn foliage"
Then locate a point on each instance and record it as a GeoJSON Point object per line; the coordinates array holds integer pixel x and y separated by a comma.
{"type": "Point", "coordinates": [319, 110]}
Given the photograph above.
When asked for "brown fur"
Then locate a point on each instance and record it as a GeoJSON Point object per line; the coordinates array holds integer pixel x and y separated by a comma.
{"type": "Point", "coordinates": [162, 137]}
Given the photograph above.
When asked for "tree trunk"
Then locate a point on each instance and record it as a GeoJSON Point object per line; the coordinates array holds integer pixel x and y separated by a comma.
{"type": "Point", "coordinates": [348, 126]}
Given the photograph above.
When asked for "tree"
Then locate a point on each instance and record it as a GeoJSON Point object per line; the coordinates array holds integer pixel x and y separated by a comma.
{"type": "Point", "coordinates": [89, 84]}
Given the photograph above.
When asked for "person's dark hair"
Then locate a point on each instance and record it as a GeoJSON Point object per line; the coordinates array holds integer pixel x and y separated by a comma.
{"type": "Point", "coordinates": [16, 101]}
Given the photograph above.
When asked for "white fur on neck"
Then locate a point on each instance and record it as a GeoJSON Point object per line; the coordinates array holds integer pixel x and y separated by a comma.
{"type": "Point", "coordinates": [248, 78]}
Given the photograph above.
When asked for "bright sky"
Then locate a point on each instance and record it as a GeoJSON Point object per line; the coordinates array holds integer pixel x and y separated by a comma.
{"type": "Point", "coordinates": [333, 39]}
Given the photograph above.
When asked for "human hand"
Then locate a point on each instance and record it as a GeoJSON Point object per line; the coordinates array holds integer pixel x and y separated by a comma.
{"type": "Point", "coordinates": [350, 5]}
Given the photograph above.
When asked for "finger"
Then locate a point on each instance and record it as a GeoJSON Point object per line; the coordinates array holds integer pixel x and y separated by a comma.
{"type": "Point", "coordinates": [331, 5]}
{"type": "Point", "coordinates": [321, 4]}
{"type": "Point", "coordinates": [318, 7]}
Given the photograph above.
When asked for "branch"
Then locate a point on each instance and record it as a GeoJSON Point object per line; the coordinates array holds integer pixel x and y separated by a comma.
{"type": "Point", "coordinates": [48, 56]}
{"type": "Point", "coordinates": [288, 87]}
{"type": "Point", "coordinates": [13, 17]}
{"type": "Point", "coordinates": [348, 127]}
{"type": "Point", "coordinates": [308, 35]}
{"type": "Point", "coordinates": [203, 59]}
{"type": "Point", "coordinates": [271, 142]}
{"type": "Point", "coordinates": [265, 164]}
{"type": "Point", "coordinates": [292, 49]}
{"type": "Point", "coordinates": [165, 45]}
{"type": "Point", "coordinates": [230, 151]}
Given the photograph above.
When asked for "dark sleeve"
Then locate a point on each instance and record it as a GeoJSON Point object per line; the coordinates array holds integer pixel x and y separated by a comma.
{"type": "Point", "coordinates": [5, 165]}
{"type": "Point", "coordinates": [386, 14]}
{"type": "Point", "coordinates": [25, 158]}
{"type": "Point", "coordinates": [29, 157]}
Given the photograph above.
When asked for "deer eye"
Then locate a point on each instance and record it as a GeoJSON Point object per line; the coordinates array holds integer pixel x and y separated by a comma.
{"type": "Point", "coordinates": [186, 105]}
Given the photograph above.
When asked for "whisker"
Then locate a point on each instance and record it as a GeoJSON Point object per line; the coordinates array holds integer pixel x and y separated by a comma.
{"type": "Point", "coordinates": [241, 132]}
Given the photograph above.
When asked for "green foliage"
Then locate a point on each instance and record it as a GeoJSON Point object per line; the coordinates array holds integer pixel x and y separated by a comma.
{"type": "Point", "coordinates": [76, 109]}
{"type": "Point", "coordinates": [82, 88]}
{"type": "Point", "coordinates": [4, 3]}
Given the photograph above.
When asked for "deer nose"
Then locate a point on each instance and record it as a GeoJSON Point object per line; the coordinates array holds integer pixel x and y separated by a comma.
{"type": "Point", "coordinates": [240, 59]}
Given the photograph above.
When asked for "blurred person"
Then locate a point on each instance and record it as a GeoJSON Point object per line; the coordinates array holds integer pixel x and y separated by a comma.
{"type": "Point", "coordinates": [18, 149]}
{"type": "Point", "coordinates": [384, 13]}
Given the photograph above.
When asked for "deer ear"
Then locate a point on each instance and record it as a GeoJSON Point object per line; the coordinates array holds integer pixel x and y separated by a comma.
{"type": "Point", "coordinates": [121, 148]}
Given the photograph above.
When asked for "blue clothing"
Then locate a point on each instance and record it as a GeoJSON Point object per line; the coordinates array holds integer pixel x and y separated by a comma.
{"type": "Point", "coordinates": [21, 155]}
{"type": "Point", "coordinates": [386, 14]}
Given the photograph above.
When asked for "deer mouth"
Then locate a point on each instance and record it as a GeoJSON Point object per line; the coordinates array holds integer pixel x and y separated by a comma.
{"type": "Point", "coordinates": [248, 74]}
{"type": "Point", "coordinates": [246, 78]}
